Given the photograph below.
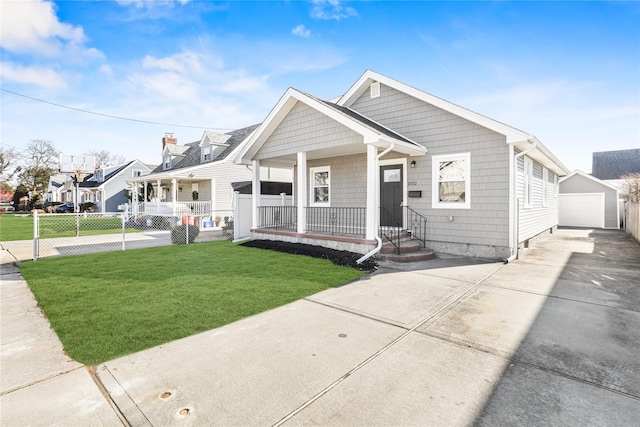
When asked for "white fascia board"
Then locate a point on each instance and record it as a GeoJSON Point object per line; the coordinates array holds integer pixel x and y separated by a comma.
{"type": "Point", "coordinates": [399, 146]}
{"type": "Point", "coordinates": [542, 155]}
{"type": "Point", "coordinates": [286, 103]}
{"type": "Point", "coordinates": [512, 134]}
{"type": "Point", "coordinates": [262, 132]}
{"type": "Point", "coordinates": [592, 178]}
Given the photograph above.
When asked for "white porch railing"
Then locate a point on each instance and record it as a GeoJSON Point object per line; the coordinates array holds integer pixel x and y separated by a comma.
{"type": "Point", "coordinates": [172, 208]}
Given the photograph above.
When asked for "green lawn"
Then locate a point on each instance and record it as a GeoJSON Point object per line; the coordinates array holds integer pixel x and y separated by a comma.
{"type": "Point", "coordinates": [107, 305]}
{"type": "Point", "coordinates": [20, 227]}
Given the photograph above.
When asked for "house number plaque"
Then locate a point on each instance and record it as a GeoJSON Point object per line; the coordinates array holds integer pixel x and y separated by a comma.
{"type": "Point", "coordinates": [412, 183]}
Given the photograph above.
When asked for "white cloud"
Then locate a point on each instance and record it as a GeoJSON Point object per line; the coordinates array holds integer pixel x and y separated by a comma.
{"type": "Point", "coordinates": [39, 76]}
{"type": "Point", "coordinates": [106, 69]}
{"type": "Point", "coordinates": [150, 4]}
{"type": "Point", "coordinates": [33, 27]}
{"type": "Point", "coordinates": [301, 31]}
{"type": "Point", "coordinates": [181, 62]}
{"type": "Point", "coordinates": [331, 9]}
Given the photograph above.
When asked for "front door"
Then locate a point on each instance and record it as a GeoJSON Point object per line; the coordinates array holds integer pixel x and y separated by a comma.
{"type": "Point", "coordinates": [391, 195]}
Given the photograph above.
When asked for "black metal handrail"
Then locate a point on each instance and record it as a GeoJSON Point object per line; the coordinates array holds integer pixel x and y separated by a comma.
{"type": "Point", "coordinates": [393, 231]}
{"type": "Point", "coordinates": [417, 225]}
{"type": "Point", "coordinates": [337, 220]}
{"type": "Point", "coordinates": [278, 217]}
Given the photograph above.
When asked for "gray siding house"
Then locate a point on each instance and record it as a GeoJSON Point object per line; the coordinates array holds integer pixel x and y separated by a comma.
{"type": "Point", "coordinates": [108, 187]}
{"type": "Point", "coordinates": [586, 201]}
{"type": "Point", "coordinates": [386, 157]}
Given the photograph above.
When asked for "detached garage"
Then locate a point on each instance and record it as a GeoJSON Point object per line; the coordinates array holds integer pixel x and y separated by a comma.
{"type": "Point", "coordinates": [586, 201]}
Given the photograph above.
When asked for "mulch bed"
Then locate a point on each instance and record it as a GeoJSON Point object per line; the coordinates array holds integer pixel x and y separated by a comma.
{"type": "Point", "coordinates": [337, 257]}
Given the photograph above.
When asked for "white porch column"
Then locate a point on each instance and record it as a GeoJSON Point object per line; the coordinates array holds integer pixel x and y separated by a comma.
{"type": "Point", "coordinates": [174, 195]}
{"type": "Point", "coordinates": [373, 177]}
{"type": "Point", "coordinates": [212, 200]}
{"type": "Point", "coordinates": [302, 191]}
{"type": "Point", "coordinates": [158, 196]}
{"type": "Point", "coordinates": [255, 193]}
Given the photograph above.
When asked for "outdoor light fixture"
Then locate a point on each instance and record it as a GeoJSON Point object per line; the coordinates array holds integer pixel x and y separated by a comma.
{"type": "Point", "coordinates": [413, 163]}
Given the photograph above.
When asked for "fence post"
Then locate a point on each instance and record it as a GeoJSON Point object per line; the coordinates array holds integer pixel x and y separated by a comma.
{"type": "Point", "coordinates": [187, 231]}
{"type": "Point", "coordinates": [123, 230]}
{"type": "Point", "coordinates": [36, 234]}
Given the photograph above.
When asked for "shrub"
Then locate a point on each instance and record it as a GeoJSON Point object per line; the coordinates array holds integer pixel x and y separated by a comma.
{"type": "Point", "coordinates": [88, 207]}
{"type": "Point", "coordinates": [179, 234]}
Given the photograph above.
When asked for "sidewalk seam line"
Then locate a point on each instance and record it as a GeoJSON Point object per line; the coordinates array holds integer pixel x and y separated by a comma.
{"type": "Point", "coordinates": [41, 380]}
{"type": "Point", "coordinates": [381, 351]}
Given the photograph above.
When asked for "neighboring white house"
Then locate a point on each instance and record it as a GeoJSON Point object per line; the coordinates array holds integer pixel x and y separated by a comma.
{"type": "Point", "coordinates": [196, 178]}
{"type": "Point", "coordinates": [586, 201]}
{"type": "Point", "coordinates": [388, 156]}
{"type": "Point", "coordinates": [55, 190]}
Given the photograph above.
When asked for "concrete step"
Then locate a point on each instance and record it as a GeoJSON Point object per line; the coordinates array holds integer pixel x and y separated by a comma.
{"type": "Point", "coordinates": [423, 254]}
{"type": "Point", "coordinates": [405, 247]}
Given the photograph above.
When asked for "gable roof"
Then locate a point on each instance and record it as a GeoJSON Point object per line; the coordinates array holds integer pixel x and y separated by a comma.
{"type": "Point", "coordinates": [518, 138]}
{"type": "Point", "coordinates": [222, 149]}
{"type": "Point", "coordinates": [615, 164]}
{"type": "Point", "coordinates": [90, 181]}
{"type": "Point", "coordinates": [372, 132]}
{"type": "Point", "coordinates": [363, 83]}
{"type": "Point", "coordinates": [589, 177]}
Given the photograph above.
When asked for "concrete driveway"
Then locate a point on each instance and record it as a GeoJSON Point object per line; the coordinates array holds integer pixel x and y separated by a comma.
{"type": "Point", "coordinates": [550, 339]}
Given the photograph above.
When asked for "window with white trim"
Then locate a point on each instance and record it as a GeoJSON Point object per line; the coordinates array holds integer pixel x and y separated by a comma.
{"type": "Point", "coordinates": [206, 153]}
{"type": "Point", "coordinates": [136, 172]}
{"type": "Point", "coordinates": [320, 180]}
{"type": "Point", "coordinates": [374, 89]}
{"type": "Point", "coordinates": [451, 180]}
{"type": "Point", "coordinates": [166, 162]}
{"type": "Point", "coordinates": [528, 182]}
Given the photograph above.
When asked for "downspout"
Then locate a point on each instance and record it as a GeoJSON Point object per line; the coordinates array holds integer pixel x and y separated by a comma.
{"type": "Point", "coordinates": [534, 144]}
{"type": "Point", "coordinates": [378, 239]}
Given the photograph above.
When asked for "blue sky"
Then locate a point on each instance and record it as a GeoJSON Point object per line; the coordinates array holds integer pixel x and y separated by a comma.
{"type": "Point", "coordinates": [567, 72]}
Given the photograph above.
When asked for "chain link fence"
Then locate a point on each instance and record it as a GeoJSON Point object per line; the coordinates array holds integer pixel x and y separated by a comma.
{"type": "Point", "coordinates": [83, 233]}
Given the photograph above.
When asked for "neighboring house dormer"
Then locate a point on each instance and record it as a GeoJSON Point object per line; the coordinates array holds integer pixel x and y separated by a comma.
{"type": "Point", "coordinates": [171, 151]}
{"type": "Point", "coordinates": [211, 145]}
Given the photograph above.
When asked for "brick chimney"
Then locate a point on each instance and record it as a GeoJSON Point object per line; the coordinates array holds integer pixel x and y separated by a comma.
{"type": "Point", "coordinates": [168, 138]}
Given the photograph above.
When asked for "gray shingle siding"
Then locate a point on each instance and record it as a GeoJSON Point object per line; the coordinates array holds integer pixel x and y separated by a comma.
{"type": "Point", "coordinates": [305, 129]}
{"type": "Point", "coordinates": [487, 221]}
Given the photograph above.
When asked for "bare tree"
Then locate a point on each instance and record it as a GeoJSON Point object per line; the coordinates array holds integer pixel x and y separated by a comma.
{"type": "Point", "coordinates": [39, 161]}
{"type": "Point", "coordinates": [8, 167]}
{"type": "Point", "coordinates": [632, 186]}
{"type": "Point", "coordinates": [104, 157]}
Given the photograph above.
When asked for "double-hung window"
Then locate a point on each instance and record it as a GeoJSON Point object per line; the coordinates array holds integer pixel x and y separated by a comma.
{"type": "Point", "coordinates": [206, 153]}
{"type": "Point", "coordinates": [451, 181]}
{"type": "Point", "coordinates": [166, 162]}
{"type": "Point", "coordinates": [320, 186]}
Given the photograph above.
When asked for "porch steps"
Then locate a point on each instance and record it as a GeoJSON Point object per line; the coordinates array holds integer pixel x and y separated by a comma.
{"type": "Point", "coordinates": [410, 251]}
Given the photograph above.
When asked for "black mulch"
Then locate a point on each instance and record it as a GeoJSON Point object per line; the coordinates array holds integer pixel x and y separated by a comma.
{"type": "Point", "coordinates": [337, 257]}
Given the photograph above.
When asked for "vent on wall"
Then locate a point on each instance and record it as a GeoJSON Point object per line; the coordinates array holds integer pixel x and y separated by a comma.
{"type": "Point", "coordinates": [375, 89]}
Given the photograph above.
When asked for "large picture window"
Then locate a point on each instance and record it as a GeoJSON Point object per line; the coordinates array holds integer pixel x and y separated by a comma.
{"type": "Point", "coordinates": [320, 186]}
{"type": "Point", "coordinates": [451, 181]}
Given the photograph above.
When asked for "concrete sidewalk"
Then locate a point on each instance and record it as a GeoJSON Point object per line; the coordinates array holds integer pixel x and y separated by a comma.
{"type": "Point", "coordinates": [40, 385]}
{"type": "Point", "coordinates": [551, 339]}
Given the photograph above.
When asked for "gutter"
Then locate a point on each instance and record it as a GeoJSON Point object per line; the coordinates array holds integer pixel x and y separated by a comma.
{"type": "Point", "coordinates": [534, 145]}
{"type": "Point", "coordinates": [379, 246]}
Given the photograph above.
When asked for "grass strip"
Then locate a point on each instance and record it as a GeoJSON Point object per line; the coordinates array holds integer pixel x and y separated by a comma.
{"type": "Point", "coordinates": [107, 305]}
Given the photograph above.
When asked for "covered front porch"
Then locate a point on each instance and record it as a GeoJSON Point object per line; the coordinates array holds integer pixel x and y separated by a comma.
{"type": "Point", "coordinates": [166, 195]}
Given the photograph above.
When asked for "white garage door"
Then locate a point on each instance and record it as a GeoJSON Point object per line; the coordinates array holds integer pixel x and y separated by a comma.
{"type": "Point", "coordinates": [581, 210]}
